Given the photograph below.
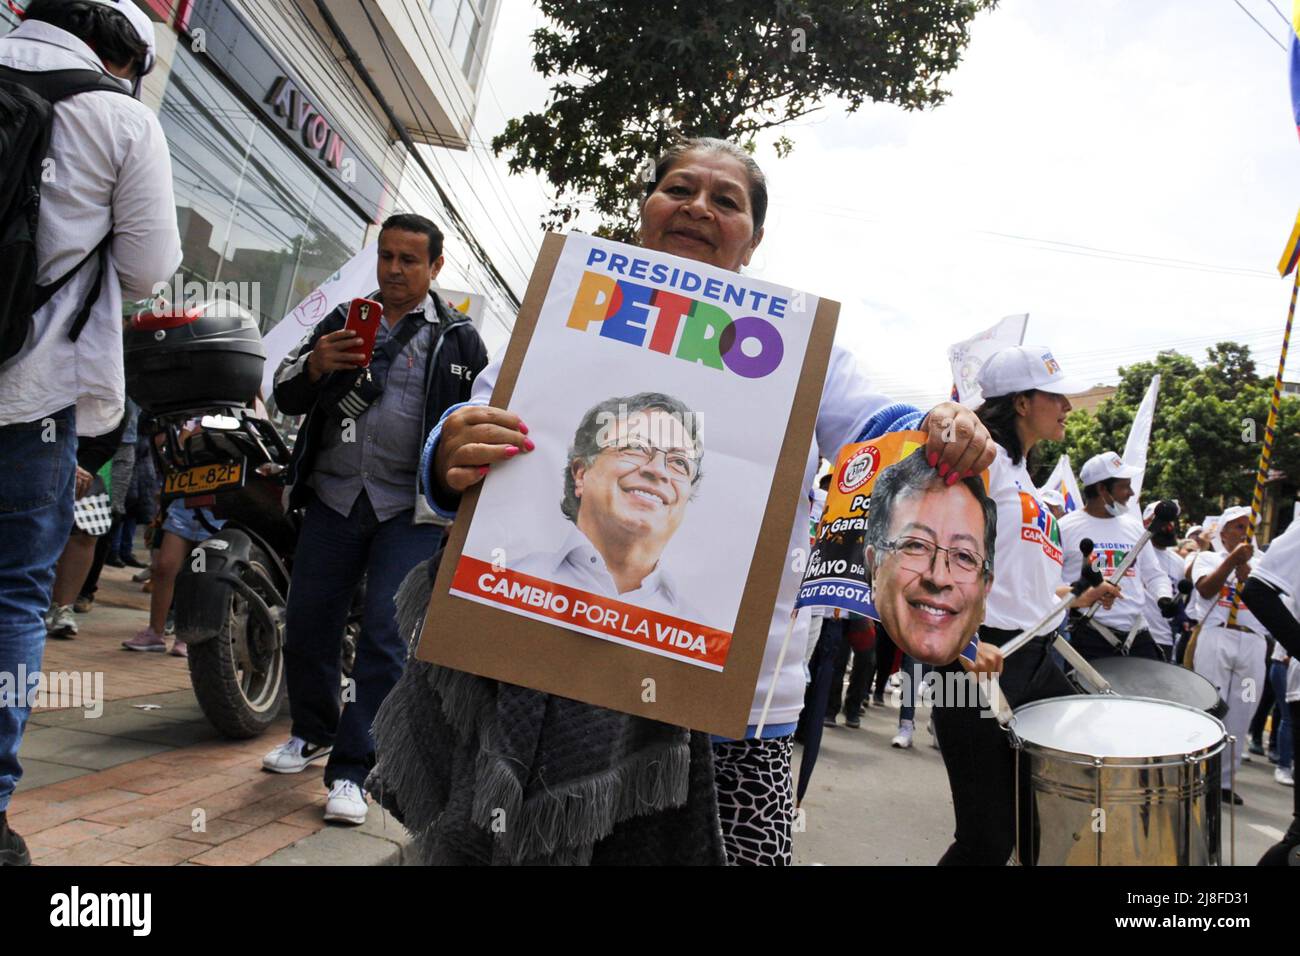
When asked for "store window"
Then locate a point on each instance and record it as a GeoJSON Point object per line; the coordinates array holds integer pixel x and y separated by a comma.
{"type": "Point", "coordinates": [461, 24]}
{"type": "Point", "coordinates": [249, 209]}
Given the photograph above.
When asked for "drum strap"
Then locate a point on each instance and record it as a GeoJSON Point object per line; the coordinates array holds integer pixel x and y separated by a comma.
{"type": "Point", "coordinates": [1122, 645]}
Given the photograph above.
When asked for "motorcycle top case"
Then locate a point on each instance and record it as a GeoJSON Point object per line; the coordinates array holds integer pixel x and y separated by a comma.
{"type": "Point", "coordinates": [194, 358]}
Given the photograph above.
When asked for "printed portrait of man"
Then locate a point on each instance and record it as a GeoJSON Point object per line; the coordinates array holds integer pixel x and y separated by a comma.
{"type": "Point", "coordinates": [930, 553]}
{"type": "Point", "coordinates": [633, 468]}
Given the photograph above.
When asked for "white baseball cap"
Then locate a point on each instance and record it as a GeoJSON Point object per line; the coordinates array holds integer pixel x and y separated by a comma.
{"type": "Point", "coordinates": [1025, 367]}
{"type": "Point", "coordinates": [1103, 467]}
{"type": "Point", "coordinates": [1149, 511]}
{"type": "Point", "coordinates": [143, 26]}
{"type": "Point", "coordinates": [1052, 498]}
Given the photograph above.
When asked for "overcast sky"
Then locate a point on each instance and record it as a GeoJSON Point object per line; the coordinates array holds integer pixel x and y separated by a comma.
{"type": "Point", "coordinates": [1125, 171]}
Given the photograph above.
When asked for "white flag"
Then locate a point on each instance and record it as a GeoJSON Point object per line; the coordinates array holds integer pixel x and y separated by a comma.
{"type": "Point", "coordinates": [1139, 436]}
{"type": "Point", "coordinates": [968, 357]}
{"type": "Point", "coordinates": [354, 278]}
{"type": "Point", "coordinates": [1061, 480]}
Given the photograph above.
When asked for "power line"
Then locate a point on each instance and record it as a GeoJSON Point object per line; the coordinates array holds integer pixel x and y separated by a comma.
{"type": "Point", "coordinates": [1260, 25]}
{"type": "Point", "coordinates": [458, 221]}
{"type": "Point", "coordinates": [470, 113]}
{"type": "Point", "coordinates": [397, 76]}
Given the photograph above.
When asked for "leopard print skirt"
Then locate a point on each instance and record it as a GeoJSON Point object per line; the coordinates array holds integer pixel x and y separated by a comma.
{"type": "Point", "coordinates": [755, 800]}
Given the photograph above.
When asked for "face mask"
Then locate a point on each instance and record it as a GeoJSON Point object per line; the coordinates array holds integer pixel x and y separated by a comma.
{"type": "Point", "coordinates": [1115, 509]}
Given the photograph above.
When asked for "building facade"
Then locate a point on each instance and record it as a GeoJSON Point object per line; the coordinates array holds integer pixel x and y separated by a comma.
{"type": "Point", "coordinates": [285, 155]}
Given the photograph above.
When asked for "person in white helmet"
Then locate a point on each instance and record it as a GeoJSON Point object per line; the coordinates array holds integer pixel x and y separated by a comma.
{"type": "Point", "coordinates": [1118, 627]}
{"type": "Point", "coordinates": [1054, 502]}
{"type": "Point", "coordinates": [106, 233]}
{"type": "Point", "coordinates": [1230, 654]}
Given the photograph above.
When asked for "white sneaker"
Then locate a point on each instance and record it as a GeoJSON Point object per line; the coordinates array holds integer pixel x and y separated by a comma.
{"type": "Point", "coordinates": [62, 622]}
{"type": "Point", "coordinates": [293, 756]}
{"type": "Point", "coordinates": [1285, 777]}
{"type": "Point", "coordinates": [346, 803]}
{"type": "Point", "coordinates": [903, 738]}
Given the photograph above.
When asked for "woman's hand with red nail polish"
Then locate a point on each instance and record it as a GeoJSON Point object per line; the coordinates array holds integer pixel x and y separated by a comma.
{"type": "Point", "coordinates": [474, 437]}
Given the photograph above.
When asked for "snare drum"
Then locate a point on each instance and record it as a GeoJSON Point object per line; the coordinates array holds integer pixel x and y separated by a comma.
{"type": "Point", "coordinates": [1117, 781]}
{"type": "Point", "coordinates": [1142, 677]}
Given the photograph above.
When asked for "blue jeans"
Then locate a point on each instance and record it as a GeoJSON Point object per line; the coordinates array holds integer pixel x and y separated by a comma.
{"type": "Point", "coordinates": [36, 493]}
{"type": "Point", "coordinates": [1281, 740]}
{"type": "Point", "coordinates": [333, 554]}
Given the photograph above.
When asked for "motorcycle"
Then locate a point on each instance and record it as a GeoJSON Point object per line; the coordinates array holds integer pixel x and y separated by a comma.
{"type": "Point", "coordinates": [232, 591]}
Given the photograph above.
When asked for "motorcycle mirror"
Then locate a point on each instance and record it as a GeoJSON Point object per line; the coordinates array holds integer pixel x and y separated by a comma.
{"type": "Point", "coordinates": [220, 423]}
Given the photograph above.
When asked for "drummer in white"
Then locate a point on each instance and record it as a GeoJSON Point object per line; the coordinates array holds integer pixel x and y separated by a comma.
{"type": "Point", "coordinates": [1164, 628]}
{"type": "Point", "coordinates": [1230, 656]}
{"type": "Point", "coordinates": [1118, 628]}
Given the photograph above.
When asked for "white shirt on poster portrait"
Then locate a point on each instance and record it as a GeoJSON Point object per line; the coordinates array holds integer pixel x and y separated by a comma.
{"type": "Point", "coordinates": [577, 564]}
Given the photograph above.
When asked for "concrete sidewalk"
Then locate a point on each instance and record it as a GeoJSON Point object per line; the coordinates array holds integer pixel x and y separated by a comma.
{"type": "Point", "coordinates": [141, 777]}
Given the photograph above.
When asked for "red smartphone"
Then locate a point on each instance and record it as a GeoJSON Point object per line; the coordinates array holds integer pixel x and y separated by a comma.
{"type": "Point", "coordinates": [363, 319]}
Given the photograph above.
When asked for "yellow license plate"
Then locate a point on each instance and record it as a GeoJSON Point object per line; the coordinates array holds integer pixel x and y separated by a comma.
{"type": "Point", "coordinates": [203, 479]}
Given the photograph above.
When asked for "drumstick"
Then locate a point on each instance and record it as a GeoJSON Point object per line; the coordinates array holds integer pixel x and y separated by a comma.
{"type": "Point", "coordinates": [1086, 581]}
{"type": "Point", "coordinates": [1166, 512]}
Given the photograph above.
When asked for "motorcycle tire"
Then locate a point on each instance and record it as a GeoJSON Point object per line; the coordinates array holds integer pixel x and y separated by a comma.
{"type": "Point", "coordinates": [216, 677]}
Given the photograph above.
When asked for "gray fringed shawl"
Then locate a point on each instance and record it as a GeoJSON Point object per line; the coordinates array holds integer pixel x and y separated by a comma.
{"type": "Point", "coordinates": [485, 772]}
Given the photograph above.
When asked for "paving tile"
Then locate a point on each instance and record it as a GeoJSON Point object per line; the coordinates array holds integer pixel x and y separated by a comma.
{"type": "Point", "coordinates": [88, 853]}
{"type": "Point", "coordinates": [214, 832]}
{"type": "Point", "coordinates": [42, 773]}
{"type": "Point", "coordinates": [311, 815]}
{"type": "Point", "coordinates": [164, 853]}
{"type": "Point", "coordinates": [252, 846]}
{"type": "Point", "coordinates": [87, 806]}
{"type": "Point", "coordinates": [272, 808]}
{"type": "Point", "coordinates": [144, 832]}
{"type": "Point", "coordinates": [154, 781]}
{"type": "Point", "coordinates": [127, 813]}
{"type": "Point", "coordinates": [77, 748]}
{"type": "Point", "coordinates": [67, 834]}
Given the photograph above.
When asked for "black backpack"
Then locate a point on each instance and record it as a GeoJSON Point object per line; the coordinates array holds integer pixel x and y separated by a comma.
{"type": "Point", "coordinates": [27, 101]}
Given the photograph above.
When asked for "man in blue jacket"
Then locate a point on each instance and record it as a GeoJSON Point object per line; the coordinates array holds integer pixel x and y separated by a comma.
{"type": "Point", "coordinates": [354, 469]}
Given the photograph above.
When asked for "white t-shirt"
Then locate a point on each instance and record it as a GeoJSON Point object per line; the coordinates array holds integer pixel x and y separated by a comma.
{"type": "Point", "coordinates": [1027, 552]}
{"type": "Point", "coordinates": [1214, 611]}
{"type": "Point", "coordinates": [112, 170]}
{"type": "Point", "coordinates": [1280, 564]}
{"type": "Point", "coordinates": [1112, 540]}
{"type": "Point", "coordinates": [1161, 627]}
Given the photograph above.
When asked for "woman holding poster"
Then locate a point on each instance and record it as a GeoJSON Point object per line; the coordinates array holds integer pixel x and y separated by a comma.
{"type": "Point", "coordinates": [707, 202]}
{"type": "Point", "coordinates": [1024, 403]}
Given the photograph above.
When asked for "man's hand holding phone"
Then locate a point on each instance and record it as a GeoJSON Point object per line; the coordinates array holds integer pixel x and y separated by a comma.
{"type": "Point", "coordinates": [335, 352]}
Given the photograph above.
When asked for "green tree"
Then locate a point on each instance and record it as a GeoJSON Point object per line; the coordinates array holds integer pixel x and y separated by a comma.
{"type": "Point", "coordinates": [1207, 434]}
{"type": "Point", "coordinates": [633, 75]}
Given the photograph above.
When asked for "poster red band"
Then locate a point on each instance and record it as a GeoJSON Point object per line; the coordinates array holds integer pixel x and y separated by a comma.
{"type": "Point", "coordinates": [592, 614]}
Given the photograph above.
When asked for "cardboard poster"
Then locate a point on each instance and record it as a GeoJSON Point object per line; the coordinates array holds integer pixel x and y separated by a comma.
{"type": "Point", "coordinates": [930, 611]}
{"type": "Point", "coordinates": [632, 559]}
